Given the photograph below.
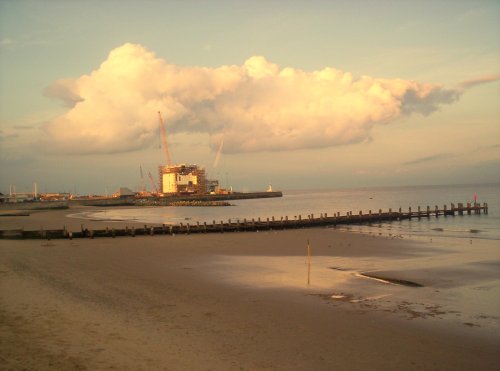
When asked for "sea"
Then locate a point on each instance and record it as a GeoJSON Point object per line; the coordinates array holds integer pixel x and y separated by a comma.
{"type": "Point", "coordinates": [317, 202]}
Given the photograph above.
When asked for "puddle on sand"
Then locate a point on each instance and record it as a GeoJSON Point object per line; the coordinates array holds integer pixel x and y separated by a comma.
{"type": "Point", "coordinates": [278, 272]}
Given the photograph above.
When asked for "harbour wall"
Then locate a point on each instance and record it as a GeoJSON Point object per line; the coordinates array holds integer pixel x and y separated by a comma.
{"type": "Point", "coordinates": [134, 201]}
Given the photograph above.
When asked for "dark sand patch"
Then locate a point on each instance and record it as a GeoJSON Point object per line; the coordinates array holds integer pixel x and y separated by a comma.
{"type": "Point", "coordinates": [393, 280]}
{"type": "Point", "coordinates": [341, 269]}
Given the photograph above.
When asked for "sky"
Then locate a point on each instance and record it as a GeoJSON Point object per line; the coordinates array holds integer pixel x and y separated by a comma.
{"type": "Point", "coordinates": [296, 94]}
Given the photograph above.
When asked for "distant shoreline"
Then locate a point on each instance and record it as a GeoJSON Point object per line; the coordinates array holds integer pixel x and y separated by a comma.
{"type": "Point", "coordinates": [136, 201]}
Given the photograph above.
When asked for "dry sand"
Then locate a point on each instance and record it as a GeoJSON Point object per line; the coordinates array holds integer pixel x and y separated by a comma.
{"type": "Point", "coordinates": [240, 301]}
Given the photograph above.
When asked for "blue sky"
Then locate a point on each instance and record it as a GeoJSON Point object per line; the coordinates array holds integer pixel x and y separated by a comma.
{"type": "Point", "coordinates": [437, 42]}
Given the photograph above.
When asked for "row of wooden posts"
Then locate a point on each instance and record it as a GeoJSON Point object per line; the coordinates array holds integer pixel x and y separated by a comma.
{"type": "Point", "coordinates": [251, 225]}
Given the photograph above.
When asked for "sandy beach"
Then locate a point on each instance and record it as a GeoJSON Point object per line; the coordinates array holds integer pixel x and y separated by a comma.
{"type": "Point", "coordinates": [240, 301]}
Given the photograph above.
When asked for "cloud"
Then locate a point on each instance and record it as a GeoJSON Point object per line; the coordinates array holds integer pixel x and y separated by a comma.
{"type": "Point", "coordinates": [23, 127]}
{"type": "Point", "coordinates": [478, 81]}
{"type": "Point", "coordinates": [413, 102]}
{"type": "Point", "coordinates": [487, 147]}
{"type": "Point", "coordinates": [24, 41]}
{"type": "Point", "coordinates": [257, 106]}
{"type": "Point", "coordinates": [432, 158]}
{"type": "Point", "coordinates": [65, 90]}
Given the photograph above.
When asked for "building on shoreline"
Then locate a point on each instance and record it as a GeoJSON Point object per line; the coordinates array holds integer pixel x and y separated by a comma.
{"type": "Point", "coordinates": [212, 186]}
{"type": "Point", "coordinates": [182, 179]}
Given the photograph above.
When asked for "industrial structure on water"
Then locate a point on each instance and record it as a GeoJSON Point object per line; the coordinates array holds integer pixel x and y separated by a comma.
{"type": "Point", "coordinates": [182, 179]}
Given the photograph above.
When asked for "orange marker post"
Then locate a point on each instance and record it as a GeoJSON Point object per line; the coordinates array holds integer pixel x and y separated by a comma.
{"type": "Point", "coordinates": [308, 263]}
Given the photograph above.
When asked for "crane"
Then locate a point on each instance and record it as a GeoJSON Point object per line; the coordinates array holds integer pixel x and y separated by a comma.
{"type": "Point", "coordinates": [164, 140]}
{"type": "Point", "coordinates": [155, 188]}
{"type": "Point", "coordinates": [142, 180]}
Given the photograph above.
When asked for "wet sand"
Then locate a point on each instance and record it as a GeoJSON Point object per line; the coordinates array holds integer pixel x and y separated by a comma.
{"type": "Point", "coordinates": [240, 301]}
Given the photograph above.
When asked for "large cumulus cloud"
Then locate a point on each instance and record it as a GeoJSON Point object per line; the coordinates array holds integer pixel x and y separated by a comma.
{"type": "Point", "coordinates": [257, 106]}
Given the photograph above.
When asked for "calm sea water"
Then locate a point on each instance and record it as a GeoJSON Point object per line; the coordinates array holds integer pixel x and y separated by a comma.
{"type": "Point", "coordinates": [294, 203]}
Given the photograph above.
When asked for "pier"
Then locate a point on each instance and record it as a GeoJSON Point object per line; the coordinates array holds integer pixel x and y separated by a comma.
{"type": "Point", "coordinates": [259, 224]}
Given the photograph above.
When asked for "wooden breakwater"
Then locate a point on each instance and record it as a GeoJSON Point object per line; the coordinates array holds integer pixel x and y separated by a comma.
{"type": "Point", "coordinates": [258, 224]}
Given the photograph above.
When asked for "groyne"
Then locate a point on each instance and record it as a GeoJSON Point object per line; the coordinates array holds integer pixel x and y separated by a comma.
{"type": "Point", "coordinates": [259, 224]}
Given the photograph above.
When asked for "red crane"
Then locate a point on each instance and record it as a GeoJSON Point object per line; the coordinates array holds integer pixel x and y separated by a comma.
{"type": "Point", "coordinates": [164, 140]}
